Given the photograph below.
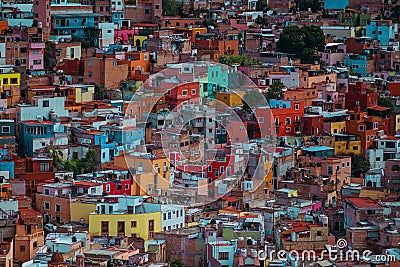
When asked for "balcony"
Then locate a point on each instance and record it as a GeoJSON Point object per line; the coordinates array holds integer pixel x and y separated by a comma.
{"type": "Point", "coordinates": [36, 45]}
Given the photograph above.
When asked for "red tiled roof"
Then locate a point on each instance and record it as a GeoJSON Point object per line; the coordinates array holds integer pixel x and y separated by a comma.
{"type": "Point", "coordinates": [86, 183]}
{"type": "Point", "coordinates": [144, 25]}
{"type": "Point", "coordinates": [116, 168]}
{"type": "Point", "coordinates": [28, 213]}
{"type": "Point", "coordinates": [38, 122]}
{"type": "Point", "coordinates": [379, 108]}
{"type": "Point", "coordinates": [232, 209]}
{"type": "Point", "coordinates": [94, 132]}
{"type": "Point", "coordinates": [230, 199]}
{"type": "Point", "coordinates": [364, 202]}
{"type": "Point", "coordinates": [389, 137]}
{"type": "Point", "coordinates": [301, 228]}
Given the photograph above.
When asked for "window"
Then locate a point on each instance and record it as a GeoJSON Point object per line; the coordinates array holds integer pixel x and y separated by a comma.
{"type": "Point", "coordinates": [146, 11]}
{"type": "Point", "coordinates": [151, 228]}
{"type": "Point", "coordinates": [193, 91]}
{"type": "Point", "coordinates": [58, 207]}
{"type": "Point", "coordinates": [330, 170]}
{"type": "Point", "coordinates": [104, 227]}
{"type": "Point", "coordinates": [35, 244]}
{"type": "Point", "coordinates": [121, 227]}
{"type": "Point", "coordinates": [36, 52]}
{"type": "Point", "coordinates": [46, 205]}
{"type": "Point", "coordinates": [90, 63]}
{"type": "Point", "coordinates": [114, 63]}
{"type": "Point", "coordinates": [209, 168]}
{"type": "Point", "coordinates": [5, 129]}
{"type": "Point", "coordinates": [376, 124]}
{"type": "Point", "coordinates": [133, 224]}
{"type": "Point", "coordinates": [37, 61]}
{"type": "Point", "coordinates": [13, 80]}
{"type": "Point", "coordinates": [44, 166]}
{"type": "Point", "coordinates": [126, 186]}
{"type": "Point", "coordinates": [223, 256]}
{"type": "Point", "coordinates": [288, 121]}
{"type": "Point", "coordinates": [47, 192]}
{"type": "Point", "coordinates": [5, 81]}
{"type": "Point", "coordinates": [90, 74]}
{"type": "Point", "coordinates": [140, 166]}
{"type": "Point", "coordinates": [184, 92]}
{"type": "Point", "coordinates": [221, 169]}
{"type": "Point", "coordinates": [296, 106]}
{"type": "Point", "coordinates": [45, 103]}
{"type": "Point", "coordinates": [21, 248]}
{"type": "Point", "coordinates": [260, 120]}
{"type": "Point", "coordinates": [371, 212]}
{"type": "Point", "coordinates": [107, 188]}
{"type": "Point", "coordinates": [355, 147]}
{"type": "Point", "coordinates": [287, 129]}
{"type": "Point", "coordinates": [169, 215]}
{"type": "Point", "coordinates": [361, 128]}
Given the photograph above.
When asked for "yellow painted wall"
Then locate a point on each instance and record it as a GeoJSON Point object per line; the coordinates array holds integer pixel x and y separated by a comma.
{"type": "Point", "coordinates": [340, 127]}
{"type": "Point", "coordinates": [81, 210]}
{"type": "Point", "coordinates": [161, 172]}
{"type": "Point", "coordinates": [230, 99]}
{"type": "Point", "coordinates": [268, 176]}
{"type": "Point", "coordinates": [84, 97]}
{"type": "Point", "coordinates": [6, 78]}
{"type": "Point", "coordinates": [141, 183]}
{"type": "Point", "coordinates": [341, 147]}
{"type": "Point", "coordinates": [397, 123]}
{"type": "Point", "coordinates": [141, 229]}
{"type": "Point", "coordinates": [141, 38]}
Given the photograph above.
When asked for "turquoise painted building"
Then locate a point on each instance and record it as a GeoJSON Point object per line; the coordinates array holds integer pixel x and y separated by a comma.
{"type": "Point", "coordinates": [218, 80]}
{"type": "Point", "coordinates": [79, 25]}
{"type": "Point", "coordinates": [357, 63]}
{"type": "Point", "coordinates": [382, 30]}
{"type": "Point", "coordinates": [336, 4]}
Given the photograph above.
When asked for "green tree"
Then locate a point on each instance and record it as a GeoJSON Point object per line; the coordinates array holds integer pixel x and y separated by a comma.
{"type": "Point", "coordinates": [359, 164]}
{"type": "Point", "coordinates": [304, 43]}
{"type": "Point", "coordinates": [175, 262]}
{"type": "Point", "coordinates": [76, 165]}
{"type": "Point", "coordinates": [209, 22]}
{"type": "Point", "coordinates": [261, 21]}
{"type": "Point", "coordinates": [275, 91]}
{"type": "Point", "coordinates": [242, 60]}
{"type": "Point", "coordinates": [262, 5]}
{"type": "Point", "coordinates": [386, 102]}
{"type": "Point", "coordinates": [171, 7]}
{"type": "Point", "coordinates": [304, 5]}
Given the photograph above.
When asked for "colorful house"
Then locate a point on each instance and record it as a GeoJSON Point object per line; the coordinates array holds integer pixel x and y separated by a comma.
{"type": "Point", "coordinates": [382, 30]}
{"type": "Point", "coordinates": [81, 25]}
{"type": "Point", "coordinates": [29, 235]}
{"type": "Point", "coordinates": [36, 55]}
{"type": "Point", "coordinates": [10, 82]}
{"type": "Point", "coordinates": [286, 115]}
{"type": "Point", "coordinates": [125, 216]}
